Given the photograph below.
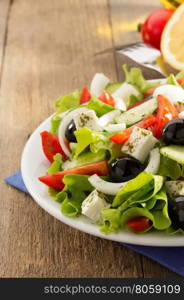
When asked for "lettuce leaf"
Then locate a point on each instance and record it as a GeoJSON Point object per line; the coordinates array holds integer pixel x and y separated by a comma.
{"type": "Point", "coordinates": [76, 189]}
{"type": "Point", "coordinates": [55, 122]}
{"type": "Point", "coordinates": [95, 142]}
{"type": "Point", "coordinates": [172, 80]}
{"type": "Point", "coordinates": [137, 184]}
{"type": "Point", "coordinates": [170, 168]}
{"type": "Point", "coordinates": [135, 77]}
{"type": "Point", "coordinates": [70, 101]}
{"type": "Point", "coordinates": [56, 166]}
{"type": "Point", "coordinates": [159, 217]}
{"type": "Point", "coordinates": [111, 220]}
{"type": "Point", "coordinates": [99, 107]}
{"type": "Point", "coordinates": [145, 193]}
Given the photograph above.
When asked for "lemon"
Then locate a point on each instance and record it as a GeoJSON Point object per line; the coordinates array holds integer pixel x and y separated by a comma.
{"type": "Point", "coordinates": [172, 42]}
{"type": "Point", "coordinates": [170, 4]}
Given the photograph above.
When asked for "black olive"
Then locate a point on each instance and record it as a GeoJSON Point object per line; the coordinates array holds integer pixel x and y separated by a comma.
{"type": "Point", "coordinates": [124, 169]}
{"type": "Point", "coordinates": [69, 133]}
{"type": "Point", "coordinates": [179, 202]}
{"type": "Point", "coordinates": [173, 132]}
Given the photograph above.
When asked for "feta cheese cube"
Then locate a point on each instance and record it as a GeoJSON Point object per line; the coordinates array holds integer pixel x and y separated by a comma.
{"type": "Point", "coordinates": [93, 204]}
{"type": "Point", "coordinates": [175, 188]}
{"type": "Point", "coordinates": [140, 143]}
{"type": "Point", "coordinates": [87, 119]}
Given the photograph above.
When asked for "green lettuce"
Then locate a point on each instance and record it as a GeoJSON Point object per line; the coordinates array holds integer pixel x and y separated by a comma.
{"type": "Point", "coordinates": [99, 107]}
{"type": "Point", "coordinates": [133, 100]}
{"type": "Point", "coordinates": [136, 78]}
{"type": "Point", "coordinates": [76, 189]}
{"type": "Point", "coordinates": [56, 166]}
{"type": "Point", "coordinates": [159, 216]}
{"type": "Point", "coordinates": [55, 122]}
{"type": "Point", "coordinates": [111, 220]}
{"type": "Point", "coordinates": [142, 183]}
{"type": "Point", "coordinates": [170, 168]}
{"type": "Point", "coordinates": [70, 101]}
{"type": "Point", "coordinates": [95, 142]}
{"type": "Point", "coordinates": [67, 102]}
{"type": "Point", "coordinates": [172, 80]}
{"type": "Point", "coordinates": [145, 193]}
{"type": "Point", "coordinates": [142, 196]}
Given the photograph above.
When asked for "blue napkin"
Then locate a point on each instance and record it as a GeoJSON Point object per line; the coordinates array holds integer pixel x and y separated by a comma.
{"type": "Point", "coordinates": [172, 257]}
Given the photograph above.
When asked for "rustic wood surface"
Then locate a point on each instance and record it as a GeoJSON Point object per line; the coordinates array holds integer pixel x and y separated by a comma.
{"type": "Point", "coordinates": [48, 48]}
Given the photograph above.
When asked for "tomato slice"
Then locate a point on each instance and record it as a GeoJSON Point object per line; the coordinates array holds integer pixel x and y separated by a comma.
{"type": "Point", "coordinates": [139, 224]}
{"type": "Point", "coordinates": [180, 81]}
{"type": "Point", "coordinates": [85, 95]}
{"type": "Point", "coordinates": [107, 98]}
{"type": "Point", "coordinates": [121, 137]}
{"type": "Point", "coordinates": [51, 146]}
{"type": "Point", "coordinates": [150, 91]}
{"type": "Point", "coordinates": [166, 112]}
{"type": "Point", "coordinates": [55, 180]}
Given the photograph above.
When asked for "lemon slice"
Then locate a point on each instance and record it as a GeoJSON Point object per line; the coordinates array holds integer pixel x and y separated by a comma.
{"type": "Point", "coordinates": [172, 42]}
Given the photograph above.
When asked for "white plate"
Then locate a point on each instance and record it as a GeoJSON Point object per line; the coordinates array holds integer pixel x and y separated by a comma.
{"type": "Point", "coordinates": [34, 164]}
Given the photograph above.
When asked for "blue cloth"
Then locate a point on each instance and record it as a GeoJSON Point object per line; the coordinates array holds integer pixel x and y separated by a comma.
{"type": "Point", "coordinates": [172, 257]}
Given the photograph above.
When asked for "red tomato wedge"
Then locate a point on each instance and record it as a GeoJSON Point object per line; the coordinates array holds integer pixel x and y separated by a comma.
{"type": "Point", "coordinates": [166, 112]}
{"type": "Point", "coordinates": [180, 81]}
{"type": "Point", "coordinates": [139, 224]}
{"type": "Point", "coordinates": [85, 95]}
{"type": "Point", "coordinates": [150, 91]}
{"type": "Point", "coordinates": [121, 137]}
{"type": "Point", "coordinates": [107, 98]}
{"type": "Point", "coordinates": [51, 146]}
{"type": "Point", "coordinates": [55, 180]}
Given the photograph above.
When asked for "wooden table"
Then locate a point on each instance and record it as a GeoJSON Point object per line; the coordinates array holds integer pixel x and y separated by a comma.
{"type": "Point", "coordinates": [47, 49]}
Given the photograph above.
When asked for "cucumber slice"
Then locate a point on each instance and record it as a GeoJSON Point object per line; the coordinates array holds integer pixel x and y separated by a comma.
{"type": "Point", "coordinates": [112, 87]}
{"type": "Point", "coordinates": [174, 152]}
{"type": "Point", "coordinates": [138, 113]}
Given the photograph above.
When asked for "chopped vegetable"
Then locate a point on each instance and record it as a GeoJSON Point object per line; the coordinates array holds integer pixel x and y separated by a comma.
{"type": "Point", "coordinates": [51, 146]}
{"type": "Point", "coordinates": [120, 138]}
{"type": "Point", "coordinates": [55, 181]}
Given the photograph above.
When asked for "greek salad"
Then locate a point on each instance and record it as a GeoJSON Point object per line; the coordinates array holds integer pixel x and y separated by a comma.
{"type": "Point", "coordinates": [116, 153]}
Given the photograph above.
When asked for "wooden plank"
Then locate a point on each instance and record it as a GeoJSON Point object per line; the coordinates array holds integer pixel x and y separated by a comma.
{"type": "Point", "coordinates": [4, 11]}
{"type": "Point", "coordinates": [50, 51]}
{"type": "Point", "coordinates": [125, 17]}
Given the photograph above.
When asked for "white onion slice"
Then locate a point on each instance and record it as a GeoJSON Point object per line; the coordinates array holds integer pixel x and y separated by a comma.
{"type": "Point", "coordinates": [154, 161]}
{"type": "Point", "coordinates": [181, 115]}
{"type": "Point", "coordinates": [108, 118]}
{"type": "Point", "coordinates": [171, 92]}
{"type": "Point", "coordinates": [119, 103]}
{"type": "Point", "coordinates": [63, 125]}
{"type": "Point", "coordinates": [125, 91]}
{"type": "Point", "coordinates": [98, 84]}
{"type": "Point", "coordinates": [105, 187]}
